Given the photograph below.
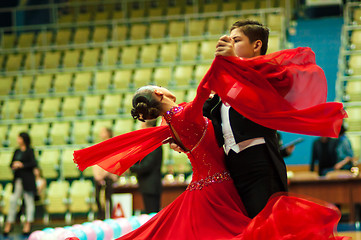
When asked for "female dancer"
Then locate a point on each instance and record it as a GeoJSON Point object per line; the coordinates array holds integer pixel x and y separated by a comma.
{"type": "Point", "coordinates": [210, 208]}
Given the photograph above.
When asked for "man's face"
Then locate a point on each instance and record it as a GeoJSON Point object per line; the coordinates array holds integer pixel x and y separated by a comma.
{"type": "Point", "coordinates": [242, 46]}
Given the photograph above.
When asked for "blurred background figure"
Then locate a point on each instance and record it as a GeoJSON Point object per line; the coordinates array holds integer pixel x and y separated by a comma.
{"type": "Point", "coordinates": [40, 184]}
{"type": "Point", "coordinates": [345, 155]}
{"type": "Point", "coordinates": [104, 180]}
{"type": "Point", "coordinates": [149, 175]}
{"type": "Point", "coordinates": [22, 164]}
{"type": "Point", "coordinates": [324, 153]}
{"type": "Point", "coordinates": [285, 152]}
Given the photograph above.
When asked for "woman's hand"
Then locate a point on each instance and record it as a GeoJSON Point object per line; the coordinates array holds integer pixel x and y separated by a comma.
{"type": "Point", "coordinates": [17, 165]}
{"type": "Point", "coordinates": [173, 145]}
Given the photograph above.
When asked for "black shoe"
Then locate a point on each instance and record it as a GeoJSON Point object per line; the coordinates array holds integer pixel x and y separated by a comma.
{"type": "Point", "coordinates": [26, 234]}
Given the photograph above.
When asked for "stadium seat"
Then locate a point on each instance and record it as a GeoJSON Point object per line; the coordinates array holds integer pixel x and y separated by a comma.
{"type": "Point", "coordinates": [176, 29]}
{"type": "Point", "coordinates": [180, 95]}
{"type": "Point", "coordinates": [122, 79]}
{"type": "Point", "coordinates": [353, 90]}
{"type": "Point", "coordinates": [32, 60]}
{"type": "Point", "coordinates": [119, 33]}
{"type": "Point", "coordinates": [246, 5]}
{"type": "Point", "coordinates": [168, 52]}
{"type": "Point", "coordinates": [142, 77]}
{"type": "Point", "coordinates": [117, 14]}
{"type": "Point", "coordinates": [6, 174]}
{"type": "Point", "coordinates": [70, 106]}
{"type": "Point", "coordinates": [51, 107]}
{"type": "Point", "coordinates": [275, 22]}
{"type": "Point", "coordinates": [66, 18]}
{"type": "Point", "coordinates": [157, 30]}
{"type": "Point", "coordinates": [196, 27]}
{"type": "Point", "coordinates": [91, 105]}
{"type": "Point", "coordinates": [14, 132]}
{"type": "Point", "coordinates": [355, 65]}
{"type": "Point", "coordinates": [356, 39]}
{"type": "Point", "coordinates": [215, 26]}
{"type": "Point", "coordinates": [52, 60]}
{"type": "Point", "coordinates": [156, 12]}
{"type": "Point", "coordinates": [123, 125]}
{"type": "Point", "coordinates": [71, 59]}
{"type": "Point", "coordinates": [149, 53]}
{"type": "Point", "coordinates": [356, 144]}
{"type": "Point", "coordinates": [57, 197]}
{"type": "Point", "coordinates": [110, 56]}
{"type": "Point", "coordinates": [101, 16]}
{"type": "Point", "coordinates": [81, 132]}
{"type": "Point", "coordinates": [23, 84]}
{"type": "Point", "coordinates": [30, 108]}
{"type": "Point", "coordinates": [13, 62]}
{"type": "Point", "coordinates": [6, 198]}
{"type": "Point", "coordinates": [189, 51]}
{"type": "Point", "coordinates": [3, 132]}
{"type": "Point", "coordinates": [137, 13]}
{"type": "Point", "coordinates": [8, 41]}
{"type": "Point", "coordinates": [39, 134]}
{"type": "Point", "coordinates": [230, 6]}
{"type": "Point", "coordinates": [84, 17]}
{"type": "Point", "coordinates": [49, 163]}
{"type": "Point", "coordinates": [63, 36]}
{"type": "Point", "coordinates": [102, 80]}
{"type": "Point", "coordinates": [211, 7]}
{"type": "Point", "coordinates": [81, 35]}
{"type": "Point", "coordinates": [183, 75]}
{"type": "Point", "coordinates": [68, 167]}
{"type": "Point", "coordinates": [138, 31]}
{"type": "Point", "coordinates": [129, 54]}
{"type": "Point", "coordinates": [98, 124]}
{"type": "Point", "coordinates": [274, 43]}
{"type": "Point", "coordinates": [354, 118]}
{"type": "Point", "coordinates": [127, 103]}
{"type": "Point", "coordinates": [44, 38]}
{"type": "Point", "coordinates": [207, 49]}
{"type": "Point", "coordinates": [162, 76]}
{"type": "Point", "coordinates": [42, 83]}
{"type": "Point", "coordinates": [26, 40]}
{"type": "Point", "coordinates": [80, 196]}
{"type": "Point", "coordinates": [62, 82]}
{"type": "Point", "coordinates": [100, 34]}
{"type": "Point", "coordinates": [10, 108]}
{"type": "Point", "coordinates": [181, 163]}
{"type": "Point", "coordinates": [6, 85]}
{"type": "Point", "coordinates": [199, 72]}
{"type": "Point", "coordinates": [175, 10]}
{"type": "Point", "coordinates": [191, 93]}
{"type": "Point", "coordinates": [112, 104]}
{"type": "Point", "coordinates": [82, 81]}
{"type": "Point", "coordinates": [59, 133]}
{"type": "Point", "coordinates": [357, 15]}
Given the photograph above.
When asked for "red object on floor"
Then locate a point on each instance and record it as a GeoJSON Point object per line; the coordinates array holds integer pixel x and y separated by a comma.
{"type": "Point", "coordinates": [72, 238]}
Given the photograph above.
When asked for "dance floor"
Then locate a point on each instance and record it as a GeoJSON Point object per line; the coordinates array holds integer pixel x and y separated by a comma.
{"type": "Point", "coordinates": [345, 229]}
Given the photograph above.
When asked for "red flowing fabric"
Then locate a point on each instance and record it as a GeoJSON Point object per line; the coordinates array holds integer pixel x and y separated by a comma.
{"type": "Point", "coordinates": [284, 90]}
{"type": "Point", "coordinates": [119, 153]}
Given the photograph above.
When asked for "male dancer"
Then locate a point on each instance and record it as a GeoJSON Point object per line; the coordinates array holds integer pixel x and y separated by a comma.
{"type": "Point", "coordinates": [252, 151]}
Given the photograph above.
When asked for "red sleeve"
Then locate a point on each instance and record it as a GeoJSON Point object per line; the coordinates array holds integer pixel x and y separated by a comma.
{"type": "Point", "coordinates": [285, 91]}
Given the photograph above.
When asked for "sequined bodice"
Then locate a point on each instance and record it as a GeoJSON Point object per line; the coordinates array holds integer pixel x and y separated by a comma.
{"type": "Point", "coordinates": [197, 135]}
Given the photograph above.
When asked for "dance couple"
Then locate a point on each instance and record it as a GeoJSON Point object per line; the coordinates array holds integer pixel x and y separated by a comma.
{"type": "Point", "coordinates": [239, 186]}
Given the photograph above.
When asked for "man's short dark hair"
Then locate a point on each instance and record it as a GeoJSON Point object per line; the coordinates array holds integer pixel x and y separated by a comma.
{"type": "Point", "coordinates": [254, 31]}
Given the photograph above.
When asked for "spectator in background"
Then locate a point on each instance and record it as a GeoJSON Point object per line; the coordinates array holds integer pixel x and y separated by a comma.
{"type": "Point", "coordinates": [345, 157]}
{"type": "Point", "coordinates": [324, 152]}
{"type": "Point", "coordinates": [104, 179]}
{"type": "Point", "coordinates": [149, 175]}
{"type": "Point", "coordinates": [40, 184]}
{"type": "Point", "coordinates": [22, 164]}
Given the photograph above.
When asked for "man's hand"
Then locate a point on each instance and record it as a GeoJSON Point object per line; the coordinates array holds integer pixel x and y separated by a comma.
{"type": "Point", "coordinates": [173, 145]}
{"type": "Point", "coordinates": [17, 165]}
{"type": "Point", "coordinates": [225, 47]}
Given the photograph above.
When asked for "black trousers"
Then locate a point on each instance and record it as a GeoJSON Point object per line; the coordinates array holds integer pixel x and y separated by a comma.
{"type": "Point", "coordinates": [151, 202]}
{"type": "Point", "coordinates": [254, 176]}
{"type": "Point", "coordinates": [108, 196]}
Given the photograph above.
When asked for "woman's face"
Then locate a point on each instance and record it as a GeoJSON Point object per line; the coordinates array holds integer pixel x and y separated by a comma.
{"type": "Point", "coordinates": [20, 141]}
{"type": "Point", "coordinates": [168, 94]}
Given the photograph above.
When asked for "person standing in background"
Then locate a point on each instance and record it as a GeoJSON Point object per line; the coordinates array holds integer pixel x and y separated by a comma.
{"type": "Point", "coordinates": [324, 152]}
{"type": "Point", "coordinates": [149, 175]}
{"type": "Point", "coordinates": [22, 164]}
{"type": "Point", "coordinates": [104, 179]}
{"type": "Point", "coordinates": [345, 156]}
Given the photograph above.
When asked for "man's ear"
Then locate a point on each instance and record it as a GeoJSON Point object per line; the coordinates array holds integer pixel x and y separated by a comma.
{"type": "Point", "coordinates": [257, 45]}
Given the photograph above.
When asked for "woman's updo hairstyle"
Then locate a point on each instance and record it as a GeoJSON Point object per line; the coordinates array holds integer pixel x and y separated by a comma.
{"type": "Point", "coordinates": [145, 105]}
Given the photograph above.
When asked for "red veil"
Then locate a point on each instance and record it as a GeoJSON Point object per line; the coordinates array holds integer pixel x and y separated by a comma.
{"type": "Point", "coordinates": [285, 90]}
